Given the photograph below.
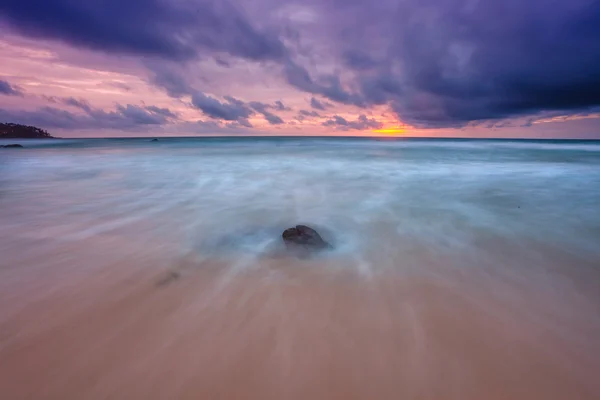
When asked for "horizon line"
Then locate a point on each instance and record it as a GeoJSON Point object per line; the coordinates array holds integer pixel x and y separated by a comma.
{"type": "Point", "coordinates": [385, 137]}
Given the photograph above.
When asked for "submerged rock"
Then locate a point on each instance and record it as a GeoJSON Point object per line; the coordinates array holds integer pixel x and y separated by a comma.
{"type": "Point", "coordinates": [304, 239]}
{"type": "Point", "coordinates": [12, 146]}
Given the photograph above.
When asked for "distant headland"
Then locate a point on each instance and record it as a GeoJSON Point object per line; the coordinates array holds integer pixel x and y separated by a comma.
{"type": "Point", "coordinates": [16, 131]}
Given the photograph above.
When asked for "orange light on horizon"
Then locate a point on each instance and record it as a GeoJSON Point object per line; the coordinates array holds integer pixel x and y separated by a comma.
{"type": "Point", "coordinates": [390, 131]}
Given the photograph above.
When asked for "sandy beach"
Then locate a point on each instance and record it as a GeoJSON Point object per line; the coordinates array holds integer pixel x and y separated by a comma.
{"type": "Point", "coordinates": [148, 274]}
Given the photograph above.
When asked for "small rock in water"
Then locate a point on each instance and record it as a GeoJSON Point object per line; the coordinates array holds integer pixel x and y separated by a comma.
{"type": "Point", "coordinates": [154, 140]}
{"type": "Point", "coordinates": [12, 146]}
{"type": "Point", "coordinates": [303, 238]}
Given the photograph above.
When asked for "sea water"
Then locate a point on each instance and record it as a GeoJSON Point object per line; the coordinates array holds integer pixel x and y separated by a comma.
{"type": "Point", "coordinates": [460, 269]}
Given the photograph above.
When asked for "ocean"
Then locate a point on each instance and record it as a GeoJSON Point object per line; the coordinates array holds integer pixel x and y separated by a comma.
{"type": "Point", "coordinates": [460, 269]}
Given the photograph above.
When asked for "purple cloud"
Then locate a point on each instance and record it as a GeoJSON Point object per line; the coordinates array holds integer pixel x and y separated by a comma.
{"type": "Point", "coordinates": [328, 86]}
{"type": "Point", "coordinates": [9, 90]}
{"type": "Point", "coordinates": [119, 85]}
{"type": "Point", "coordinates": [143, 115]}
{"type": "Point", "coordinates": [319, 105]}
{"type": "Point", "coordinates": [263, 109]}
{"type": "Point", "coordinates": [162, 111]}
{"type": "Point", "coordinates": [279, 106]}
{"type": "Point", "coordinates": [433, 63]}
{"type": "Point", "coordinates": [78, 103]}
{"type": "Point", "coordinates": [229, 110]}
{"type": "Point", "coordinates": [167, 77]}
{"type": "Point", "coordinates": [362, 123]}
{"type": "Point", "coordinates": [358, 60]}
{"type": "Point", "coordinates": [240, 123]}
{"type": "Point", "coordinates": [232, 109]}
{"type": "Point", "coordinates": [303, 114]}
{"type": "Point", "coordinates": [309, 113]}
{"type": "Point", "coordinates": [128, 117]}
{"type": "Point", "coordinates": [273, 119]}
{"type": "Point", "coordinates": [174, 30]}
{"type": "Point", "coordinates": [443, 63]}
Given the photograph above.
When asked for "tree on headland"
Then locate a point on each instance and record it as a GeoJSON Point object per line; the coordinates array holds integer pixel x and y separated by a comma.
{"type": "Point", "coordinates": [17, 131]}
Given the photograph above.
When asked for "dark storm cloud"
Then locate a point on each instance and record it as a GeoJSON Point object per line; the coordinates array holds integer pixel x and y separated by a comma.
{"type": "Point", "coordinates": [448, 62]}
{"type": "Point", "coordinates": [503, 59]}
{"type": "Point", "coordinates": [176, 29]}
{"type": "Point", "coordinates": [9, 90]}
{"type": "Point", "coordinates": [362, 123]}
{"type": "Point", "coordinates": [123, 117]}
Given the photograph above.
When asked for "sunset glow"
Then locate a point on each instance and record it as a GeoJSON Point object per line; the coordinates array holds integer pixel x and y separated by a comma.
{"type": "Point", "coordinates": [299, 199]}
{"type": "Point", "coordinates": [191, 68]}
{"type": "Point", "coordinates": [390, 131]}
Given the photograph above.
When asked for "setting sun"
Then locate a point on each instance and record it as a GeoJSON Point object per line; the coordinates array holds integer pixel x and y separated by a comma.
{"type": "Point", "coordinates": [390, 131]}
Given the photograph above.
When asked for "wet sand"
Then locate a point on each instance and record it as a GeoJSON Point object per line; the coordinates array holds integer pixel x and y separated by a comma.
{"type": "Point", "coordinates": [281, 328]}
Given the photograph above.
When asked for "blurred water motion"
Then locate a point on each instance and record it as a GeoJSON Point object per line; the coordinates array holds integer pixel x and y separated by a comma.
{"type": "Point", "coordinates": [461, 270]}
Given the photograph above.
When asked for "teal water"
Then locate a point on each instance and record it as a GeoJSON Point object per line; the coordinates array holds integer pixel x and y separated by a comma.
{"type": "Point", "coordinates": [443, 192]}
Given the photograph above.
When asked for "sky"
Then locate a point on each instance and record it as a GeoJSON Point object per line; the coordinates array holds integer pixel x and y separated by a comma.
{"type": "Point", "coordinates": [440, 68]}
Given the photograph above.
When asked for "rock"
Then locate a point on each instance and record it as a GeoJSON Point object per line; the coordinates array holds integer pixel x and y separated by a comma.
{"type": "Point", "coordinates": [170, 277]}
{"type": "Point", "coordinates": [154, 140]}
{"type": "Point", "coordinates": [304, 239]}
{"type": "Point", "coordinates": [12, 146]}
